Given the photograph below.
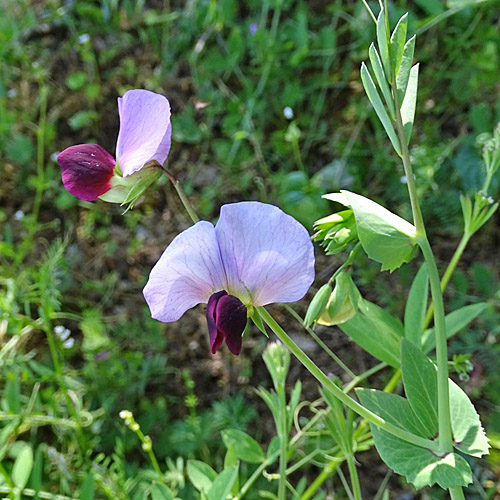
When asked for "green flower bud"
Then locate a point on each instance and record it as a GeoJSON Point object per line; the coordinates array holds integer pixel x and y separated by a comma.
{"type": "Point", "coordinates": [277, 359]}
{"type": "Point", "coordinates": [318, 305]}
{"type": "Point", "coordinates": [343, 303]}
{"type": "Point", "coordinates": [336, 231]}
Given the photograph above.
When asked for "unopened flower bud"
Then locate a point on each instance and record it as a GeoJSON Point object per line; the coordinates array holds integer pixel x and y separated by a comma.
{"type": "Point", "coordinates": [318, 305]}
{"type": "Point", "coordinates": [343, 303]}
{"type": "Point", "coordinates": [277, 359]}
{"type": "Point", "coordinates": [336, 231]}
{"type": "Point", "coordinates": [147, 444]}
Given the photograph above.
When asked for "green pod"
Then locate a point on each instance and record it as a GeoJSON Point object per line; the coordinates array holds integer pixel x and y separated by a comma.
{"type": "Point", "coordinates": [318, 304]}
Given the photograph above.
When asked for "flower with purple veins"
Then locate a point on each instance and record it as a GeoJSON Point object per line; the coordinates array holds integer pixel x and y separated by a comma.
{"type": "Point", "coordinates": [255, 255]}
{"type": "Point", "coordinates": [144, 137]}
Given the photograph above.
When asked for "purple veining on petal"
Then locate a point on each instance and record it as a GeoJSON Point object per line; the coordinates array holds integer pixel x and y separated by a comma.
{"type": "Point", "coordinates": [188, 273]}
{"type": "Point", "coordinates": [267, 255]}
{"type": "Point", "coordinates": [145, 129]}
{"type": "Point", "coordinates": [87, 170]}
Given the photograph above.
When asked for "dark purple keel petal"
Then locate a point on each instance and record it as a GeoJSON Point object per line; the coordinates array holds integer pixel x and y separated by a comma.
{"type": "Point", "coordinates": [231, 319]}
{"type": "Point", "coordinates": [87, 170]}
{"type": "Point", "coordinates": [216, 337]}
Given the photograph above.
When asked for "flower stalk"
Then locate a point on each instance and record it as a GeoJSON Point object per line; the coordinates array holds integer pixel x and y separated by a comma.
{"type": "Point", "coordinates": [337, 392]}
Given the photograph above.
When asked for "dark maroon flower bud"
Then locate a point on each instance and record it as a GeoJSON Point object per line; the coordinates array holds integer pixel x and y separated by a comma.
{"type": "Point", "coordinates": [226, 318]}
{"type": "Point", "coordinates": [87, 170]}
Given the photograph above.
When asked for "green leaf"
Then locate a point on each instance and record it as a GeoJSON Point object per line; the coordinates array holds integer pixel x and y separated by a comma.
{"type": "Point", "coordinates": [87, 490]}
{"type": "Point", "coordinates": [160, 491]}
{"type": "Point", "coordinates": [273, 450]}
{"type": "Point", "coordinates": [372, 330]}
{"type": "Point", "coordinates": [393, 409]}
{"type": "Point", "coordinates": [409, 103]}
{"type": "Point", "coordinates": [420, 466]}
{"type": "Point", "coordinates": [372, 93]}
{"type": "Point", "coordinates": [468, 433]}
{"type": "Point", "coordinates": [294, 401]}
{"type": "Point", "coordinates": [420, 383]}
{"type": "Point", "coordinates": [381, 79]}
{"type": "Point", "coordinates": [246, 447]}
{"type": "Point", "coordinates": [454, 322]}
{"type": "Point", "coordinates": [201, 475]}
{"type": "Point", "coordinates": [398, 40]}
{"type": "Point", "coordinates": [385, 237]}
{"type": "Point", "coordinates": [383, 44]}
{"type": "Point", "coordinates": [223, 483]}
{"type": "Point", "coordinates": [416, 307]}
{"type": "Point", "coordinates": [22, 467]}
{"type": "Point", "coordinates": [13, 393]}
{"type": "Point", "coordinates": [37, 472]}
{"type": "Point", "coordinates": [403, 74]}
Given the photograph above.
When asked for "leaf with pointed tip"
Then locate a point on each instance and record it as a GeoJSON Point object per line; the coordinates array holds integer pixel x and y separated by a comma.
{"type": "Point", "coordinates": [398, 40]}
{"type": "Point", "coordinates": [468, 433]}
{"type": "Point", "coordinates": [416, 307]}
{"type": "Point", "coordinates": [454, 322]}
{"type": "Point", "coordinates": [246, 448]}
{"type": "Point", "coordinates": [201, 475]}
{"type": "Point", "coordinates": [404, 69]}
{"type": "Point", "coordinates": [420, 466]}
{"type": "Point", "coordinates": [221, 487]}
{"type": "Point", "coordinates": [383, 44]}
{"type": "Point", "coordinates": [381, 79]}
{"type": "Point", "coordinates": [372, 93]}
{"type": "Point", "coordinates": [375, 333]}
{"type": "Point", "coordinates": [409, 103]}
{"type": "Point", "coordinates": [420, 383]}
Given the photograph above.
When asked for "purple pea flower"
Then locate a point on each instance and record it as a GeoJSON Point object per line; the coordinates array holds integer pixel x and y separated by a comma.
{"type": "Point", "coordinates": [144, 136]}
{"type": "Point", "coordinates": [255, 255]}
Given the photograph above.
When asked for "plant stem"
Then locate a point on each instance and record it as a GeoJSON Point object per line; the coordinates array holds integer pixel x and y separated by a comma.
{"type": "Point", "coordinates": [182, 195]}
{"type": "Point", "coordinates": [338, 393]}
{"type": "Point", "coordinates": [457, 493]}
{"type": "Point", "coordinates": [444, 422]}
{"type": "Point", "coordinates": [448, 273]}
{"type": "Point", "coordinates": [354, 477]}
{"type": "Point", "coordinates": [283, 433]}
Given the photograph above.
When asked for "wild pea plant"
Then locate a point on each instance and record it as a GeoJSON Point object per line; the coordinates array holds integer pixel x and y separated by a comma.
{"type": "Point", "coordinates": [256, 255]}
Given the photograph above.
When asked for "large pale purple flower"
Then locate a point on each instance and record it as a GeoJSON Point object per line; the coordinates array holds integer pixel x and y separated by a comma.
{"type": "Point", "coordinates": [144, 136]}
{"type": "Point", "coordinates": [255, 255]}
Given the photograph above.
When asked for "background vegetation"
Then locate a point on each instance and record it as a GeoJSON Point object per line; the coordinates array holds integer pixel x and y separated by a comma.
{"type": "Point", "coordinates": [267, 104]}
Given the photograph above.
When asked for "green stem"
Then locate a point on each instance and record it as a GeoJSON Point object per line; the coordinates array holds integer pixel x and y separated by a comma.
{"type": "Point", "coordinates": [354, 477]}
{"type": "Point", "coordinates": [312, 333]}
{"type": "Point", "coordinates": [182, 195]}
{"type": "Point", "coordinates": [444, 420]}
{"type": "Point", "coordinates": [338, 393]}
{"type": "Point", "coordinates": [448, 273]}
{"type": "Point", "coordinates": [257, 473]}
{"type": "Point", "coordinates": [283, 433]}
{"type": "Point", "coordinates": [457, 493]}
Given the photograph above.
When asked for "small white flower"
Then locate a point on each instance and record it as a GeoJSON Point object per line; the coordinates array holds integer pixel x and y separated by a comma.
{"type": "Point", "coordinates": [403, 179]}
{"type": "Point", "coordinates": [59, 330]}
{"type": "Point", "coordinates": [19, 215]}
{"type": "Point", "coordinates": [84, 38]}
{"type": "Point", "coordinates": [288, 112]}
{"type": "Point", "coordinates": [53, 156]}
{"type": "Point", "coordinates": [68, 344]}
{"type": "Point", "coordinates": [11, 93]}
